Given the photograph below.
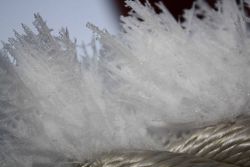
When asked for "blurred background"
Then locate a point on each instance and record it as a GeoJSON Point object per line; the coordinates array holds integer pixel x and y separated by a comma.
{"type": "Point", "coordinates": [176, 7]}
{"type": "Point", "coordinates": [74, 14]}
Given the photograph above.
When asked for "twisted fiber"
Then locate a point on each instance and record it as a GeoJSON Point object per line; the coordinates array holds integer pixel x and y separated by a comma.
{"type": "Point", "coordinates": [221, 145]}
{"type": "Point", "coordinates": [153, 159]}
{"type": "Point", "coordinates": [224, 142]}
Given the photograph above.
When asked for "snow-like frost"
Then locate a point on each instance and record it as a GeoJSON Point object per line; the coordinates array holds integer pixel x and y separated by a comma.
{"type": "Point", "coordinates": [157, 73]}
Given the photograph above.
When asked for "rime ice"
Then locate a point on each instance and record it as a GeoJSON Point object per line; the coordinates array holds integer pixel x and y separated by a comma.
{"type": "Point", "coordinates": [156, 73]}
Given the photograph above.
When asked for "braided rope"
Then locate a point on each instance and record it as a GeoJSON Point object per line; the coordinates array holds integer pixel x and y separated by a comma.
{"type": "Point", "coordinates": [221, 145]}
{"type": "Point", "coordinates": [153, 159]}
{"type": "Point", "coordinates": [224, 142]}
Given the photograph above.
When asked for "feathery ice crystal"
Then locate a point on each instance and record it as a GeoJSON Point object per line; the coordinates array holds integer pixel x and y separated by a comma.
{"type": "Point", "coordinates": [156, 73]}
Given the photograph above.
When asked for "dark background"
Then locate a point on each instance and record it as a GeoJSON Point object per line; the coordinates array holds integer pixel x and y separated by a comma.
{"type": "Point", "coordinates": [176, 7]}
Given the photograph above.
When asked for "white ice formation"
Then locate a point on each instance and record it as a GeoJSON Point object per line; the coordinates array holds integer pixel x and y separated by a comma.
{"type": "Point", "coordinates": [156, 74]}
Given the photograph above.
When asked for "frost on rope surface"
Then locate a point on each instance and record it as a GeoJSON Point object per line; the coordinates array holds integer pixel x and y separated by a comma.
{"type": "Point", "coordinates": [156, 73]}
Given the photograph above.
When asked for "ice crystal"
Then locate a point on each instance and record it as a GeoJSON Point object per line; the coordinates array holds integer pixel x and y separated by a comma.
{"type": "Point", "coordinates": [157, 73]}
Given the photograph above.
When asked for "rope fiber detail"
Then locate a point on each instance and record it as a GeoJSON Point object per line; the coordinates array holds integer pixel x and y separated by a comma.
{"type": "Point", "coordinates": [222, 145]}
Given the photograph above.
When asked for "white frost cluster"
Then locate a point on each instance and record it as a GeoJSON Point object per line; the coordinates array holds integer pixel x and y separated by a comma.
{"type": "Point", "coordinates": [156, 73]}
